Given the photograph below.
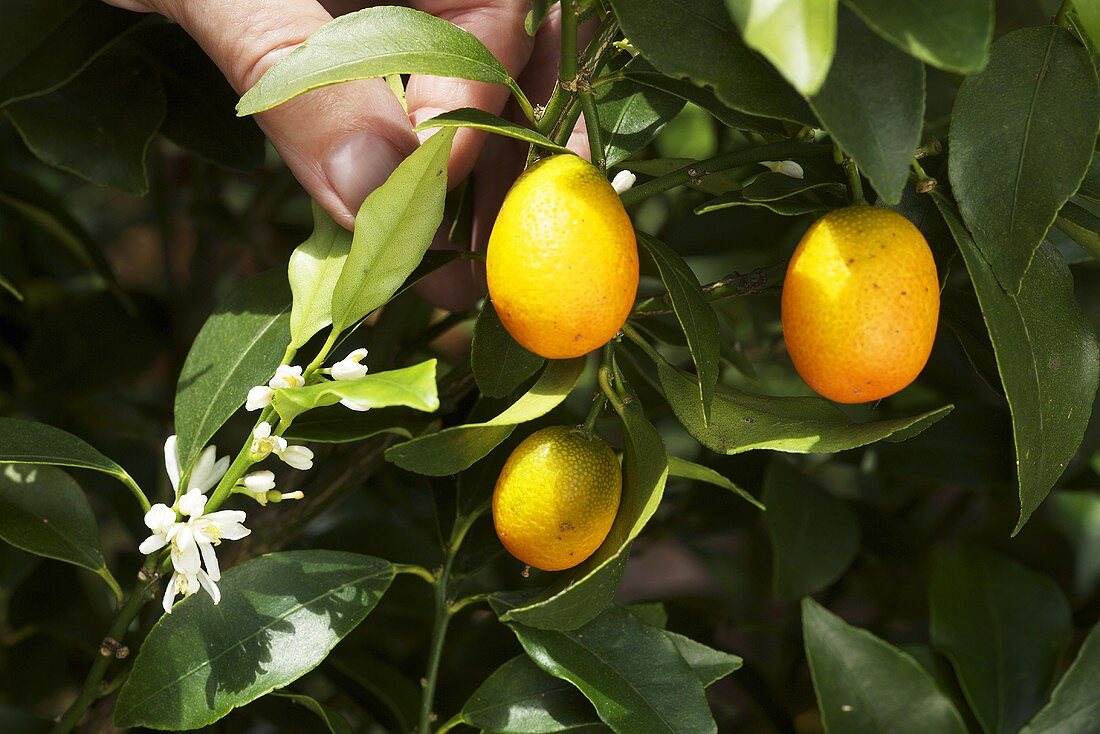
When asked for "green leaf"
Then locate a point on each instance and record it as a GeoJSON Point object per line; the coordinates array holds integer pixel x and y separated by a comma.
{"type": "Point", "coordinates": [949, 34]}
{"type": "Point", "coordinates": [631, 114]}
{"type": "Point", "coordinates": [713, 54]}
{"type": "Point", "coordinates": [201, 115]}
{"type": "Point", "coordinates": [789, 207]}
{"type": "Point", "coordinates": [43, 511]}
{"type": "Point", "coordinates": [742, 421]}
{"type": "Point", "coordinates": [774, 186]}
{"type": "Point", "coordinates": [539, 10]}
{"type": "Point", "coordinates": [1022, 135]}
{"type": "Point", "coordinates": [340, 425]}
{"type": "Point", "coordinates": [693, 311]}
{"type": "Point", "coordinates": [481, 120]}
{"type": "Point", "coordinates": [708, 664]}
{"type": "Point", "coordinates": [814, 535]}
{"type": "Point", "coordinates": [332, 719]}
{"type": "Point", "coordinates": [411, 387]}
{"type": "Point", "coordinates": [238, 347]}
{"type": "Point", "coordinates": [1047, 357]}
{"type": "Point", "coordinates": [519, 698]}
{"type": "Point", "coordinates": [45, 44]}
{"type": "Point", "coordinates": [1074, 707]}
{"type": "Point", "coordinates": [1088, 13]}
{"type": "Point", "coordinates": [1004, 628]}
{"type": "Point", "coordinates": [27, 442]}
{"type": "Point", "coordinates": [1076, 515]}
{"type": "Point", "coordinates": [632, 673]}
{"type": "Point", "coordinates": [279, 616]}
{"type": "Point", "coordinates": [371, 43]}
{"type": "Point", "coordinates": [314, 269]}
{"type": "Point", "coordinates": [393, 229]}
{"type": "Point", "coordinates": [459, 447]}
{"type": "Point", "coordinates": [872, 103]}
{"type": "Point", "coordinates": [702, 97]}
{"type": "Point", "coordinates": [99, 125]}
{"type": "Point", "coordinates": [797, 36]}
{"type": "Point", "coordinates": [579, 595]}
{"type": "Point", "coordinates": [1090, 185]}
{"type": "Point", "coordinates": [685, 469]}
{"type": "Point", "coordinates": [867, 686]}
{"type": "Point", "coordinates": [1082, 226]}
{"type": "Point", "coordinates": [499, 362]}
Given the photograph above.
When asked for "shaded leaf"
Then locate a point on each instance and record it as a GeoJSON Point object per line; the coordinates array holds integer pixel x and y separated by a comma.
{"type": "Point", "coordinates": [410, 387]}
{"type": "Point", "coordinates": [331, 718]}
{"type": "Point", "coordinates": [1074, 707]}
{"type": "Point", "coordinates": [27, 442]}
{"type": "Point", "coordinates": [1082, 226]}
{"type": "Point", "coordinates": [1004, 628]}
{"type": "Point", "coordinates": [950, 34]}
{"type": "Point", "coordinates": [685, 469]}
{"type": "Point", "coordinates": [539, 10]}
{"type": "Point", "coordinates": [814, 535]}
{"type": "Point", "coordinates": [1076, 515]}
{"type": "Point", "coordinates": [279, 616]}
{"type": "Point", "coordinates": [867, 686]}
{"type": "Point", "coordinates": [797, 36]}
{"type": "Point", "coordinates": [453, 449]}
{"type": "Point", "coordinates": [340, 425]}
{"type": "Point", "coordinates": [1022, 135]}
{"type": "Point", "coordinates": [499, 362]}
{"type": "Point", "coordinates": [631, 115]}
{"type": "Point", "coordinates": [314, 269]}
{"type": "Point", "coordinates": [788, 207]}
{"type": "Point", "coordinates": [872, 103]}
{"type": "Point", "coordinates": [393, 230]}
{"type": "Point", "coordinates": [482, 120]}
{"type": "Point", "coordinates": [238, 347]}
{"type": "Point", "coordinates": [1047, 356]}
{"type": "Point", "coordinates": [702, 97]}
{"type": "Point", "coordinates": [774, 186]}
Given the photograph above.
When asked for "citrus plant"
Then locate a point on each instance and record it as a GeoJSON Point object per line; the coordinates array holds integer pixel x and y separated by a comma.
{"type": "Point", "coordinates": [773, 415]}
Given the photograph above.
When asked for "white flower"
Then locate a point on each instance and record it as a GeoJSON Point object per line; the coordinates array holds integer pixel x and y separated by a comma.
{"type": "Point", "coordinates": [264, 444]}
{"type": "Point", "coordinates": [286, 376]}
{"type": "Point", "coordinates": [259, 398]}
{"type": "Point", "coordinates": [205, 474]}
{"type": "Point", "coordinates": [260, 486]}
{"type": "Point", "coordinates": [187, 584]}
{"type": "Point", "coordinates": [787, 168]}
{"type": "Point", "coordinates": [160, 518]}
{"type": "Point", "coordinates": [298, 457]}
{"type": "Point", "coordinates": [623, 181]}
{"type": "Point", "coordinates": [349, 368]}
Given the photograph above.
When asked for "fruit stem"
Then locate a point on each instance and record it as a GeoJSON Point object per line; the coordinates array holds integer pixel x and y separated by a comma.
{"type": "Point", "coordinates": [645, 346]}
{"type": "Point", "coordinates": [592, 126]}
{"type": "Point", "coordinates": [855, 183]}
{"type": "Point", "coordinates": [700, 169]}
{"type": "Point", "coordinates": [925, 183]}
{"type": "Point", "coordinates": [567, 71]}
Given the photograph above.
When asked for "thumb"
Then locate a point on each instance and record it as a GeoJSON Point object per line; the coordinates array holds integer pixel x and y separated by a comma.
{"type": "Point", "coordinates": [341, 142]}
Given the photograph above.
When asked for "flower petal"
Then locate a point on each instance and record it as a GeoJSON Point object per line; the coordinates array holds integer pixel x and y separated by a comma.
{"type": "Point", "coordinates": [172, 462]}
{"type": "Point", "coordinates": [210, 558]}
{"type": "Point", "coordinates": [153, 543]}
{"type": "Point", "coordinates": [170, 593]}
{"type": "Point", "coordinates": [159, 518]}
{"type": "Point", "coordinates": [211, 588]}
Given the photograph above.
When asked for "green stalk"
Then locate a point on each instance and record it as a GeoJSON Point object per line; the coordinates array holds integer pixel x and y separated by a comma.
{"type": "Point", "coordinates": [1062, 16]}
{"type": "Point", "coordinates": [89, 692]}
{"type": "Point", "coordinates": [701, 169]}
{"type": "Point", "coordinates": [592, 125]}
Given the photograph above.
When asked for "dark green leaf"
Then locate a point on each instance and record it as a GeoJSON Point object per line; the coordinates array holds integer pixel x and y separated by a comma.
{"type": "Point", "coordinates": [1004, 628]}
{"type": "Point", "coordinates": [1090, 186]}
{"type": "Point", "coordinates": [960, 312]}
{"type": "Point", "coordinates": [872, 103]}
{"type": "Point", "coordinates": [27, 442]}
{"type": "Point", "coordinates": [98, 125]}
{"type": "Point", "coordinates": [685, 469]}
{"type": "Point", "coordinates": [43, 511]}
{"type": "Point", "coordinates": [867, 686]}
{"type": "Point", "coordinates": [481, 120]}
{"type": "Point", "coordinates": [814, 535]}
{"type": "Point", "coordinates": [333, 721]}
{"type": "Point", "coordinates": [1047, 357]}
{"type": "Point", "coordinates": [340, 425]}
{"type": "Point", "coordinates": [519, 698]}
{"type": "Point", "coordinates": [742, 421]}
{"type": "Point", "coordinates": [14, 721]}
{"type": "Point", "coordinates": [774, 186]}
{"type": "Point", "coordinates": [371, 43]}
{"type": "Point", "coordinates": [239, 347]}
{"type": "Point", "coordinates": [693, 311]}
{"type": "Point", "coordinates": [314, 268]}
{"type": "Point", "coordinates": [201, 115]}
{"type": "Point", "coordinates": [789, 207]}
{"type": "Point", "coordinates": [393, 229]}
{"type": "Point", "coordinates": [797, 36]}
{"type": "Point", "coordinates": [712, 54]}
{"type": "Point", "coordinates": [411, 387]}
{"type": "Point", "coordinates": [703, 98]}
{"type": "Point", "coordinates": [708, 664]}
{"type": "Point", "coordinates": [1074, 707]}
{"type": "Point", "coordinates": [499, 363]}
{"type": "Point", "coordinates": [632, 673]}
{"type": "Point", "coordinates": [279, 616]}
{"type": "Point", "coordinates": [539, 10]}
{"type": "Point", "coordinates": [1082, 226]}
{"type": "Point", "coordinates": [631, 115]}
{"type": "Point", "coordinates": [459, 447]}
{"type": "Point", "coordinates": [585, 591]}
{"type": "Point", "coordinates": [1022, 136]}
{"type": "Point", "coordinates": [951, 34]}
{"type": "Point", "coordinates": [45, 44]}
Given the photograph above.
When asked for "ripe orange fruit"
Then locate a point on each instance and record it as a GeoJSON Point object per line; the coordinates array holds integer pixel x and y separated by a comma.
{"type": "Point", "coordinates": [861, 302]}
{"type": "Point", "coordinates": [562, 262]}
{"type": "Point", "coordinates": [556, 497]}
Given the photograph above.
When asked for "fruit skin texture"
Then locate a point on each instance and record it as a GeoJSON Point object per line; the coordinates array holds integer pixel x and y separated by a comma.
{"type": "Point", "coordinates": [556, 497]}
{"type": "Point", "coordinates": [861, 303]}
{"type": "Point", "coordinates": [562, 262]}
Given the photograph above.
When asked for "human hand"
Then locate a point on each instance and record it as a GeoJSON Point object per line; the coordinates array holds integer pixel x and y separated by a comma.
{"type": "Point", "coordinates": [342, 142]}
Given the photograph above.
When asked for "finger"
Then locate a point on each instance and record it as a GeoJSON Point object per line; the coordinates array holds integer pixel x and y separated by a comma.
{"type": "Point", "coordinates": [499, 25]}
{"type": "Point", "coordinates": [341, 142]}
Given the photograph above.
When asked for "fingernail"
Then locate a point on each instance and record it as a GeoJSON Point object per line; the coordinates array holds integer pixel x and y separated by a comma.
{"type": "Point", "coordinates": [358, 164]}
